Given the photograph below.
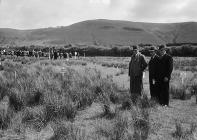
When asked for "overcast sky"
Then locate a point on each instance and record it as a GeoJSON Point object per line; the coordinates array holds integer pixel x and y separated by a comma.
{"type": "Point", "coordinates": [29, 14]}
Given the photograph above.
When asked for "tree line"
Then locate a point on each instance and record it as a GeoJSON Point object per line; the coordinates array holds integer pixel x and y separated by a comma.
{"type": "Point", "coordinates": [180, 49]}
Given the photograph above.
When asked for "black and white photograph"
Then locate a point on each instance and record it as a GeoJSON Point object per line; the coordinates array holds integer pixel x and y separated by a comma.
{"type": "Point", "coordinates": [98, 70]}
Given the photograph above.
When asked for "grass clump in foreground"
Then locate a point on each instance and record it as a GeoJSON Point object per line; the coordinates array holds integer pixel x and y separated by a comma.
{"type": "Point", "coordinates": [132, 124]}
{"type": "Point", "coordinates": [181, 133]}
{"type": "Point", "coordinates": [67, 131]}
{"type": "Point", "coordinates": [120, 129]}
{"type": "Point", "coordinates": [140, 117]}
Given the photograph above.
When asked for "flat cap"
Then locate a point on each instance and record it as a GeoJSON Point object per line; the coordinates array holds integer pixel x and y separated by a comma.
{"type": "Point", "coordinates": [152, 49]}
{"type": "Point", "coordinates": [135, 47]}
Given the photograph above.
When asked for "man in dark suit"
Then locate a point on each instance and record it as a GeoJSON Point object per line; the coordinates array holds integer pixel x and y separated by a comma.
{"type": "Point", "coordinates": [137, 65]}
{"type": "Point", "coordinates": [165, 68]}
{"type": "Point", "coordinates": [153, 73]}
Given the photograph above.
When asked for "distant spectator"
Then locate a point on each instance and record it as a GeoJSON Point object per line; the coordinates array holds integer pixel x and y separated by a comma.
{"type": "Point", "coordinates": [67, 56]}
{"type": "Point", "coordinates": [75, 55]}
{"type": "Point", "coordinates": [70, 55]}
{"type": "Point", "coordinates": [1, 65]}
{"type": "Point", "coordinates": [55, 54]}
{"type": "Point", "coordinates": [78, 55]}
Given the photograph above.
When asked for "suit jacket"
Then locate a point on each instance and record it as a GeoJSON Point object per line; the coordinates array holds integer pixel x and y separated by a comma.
{"type": "Point", "coordinates": [165, 67]}
{"type": "Point", "coordinates": [153, 68]}
{"type": "Point", "coordinates": [137, 65]}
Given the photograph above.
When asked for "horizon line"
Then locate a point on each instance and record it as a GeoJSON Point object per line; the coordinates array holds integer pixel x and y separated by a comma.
{"type": "Point", "coordinates": [61, 26]}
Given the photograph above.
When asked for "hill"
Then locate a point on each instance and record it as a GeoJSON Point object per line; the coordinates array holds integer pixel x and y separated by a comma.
{"type": "Point", "coordinates": [104, 32]}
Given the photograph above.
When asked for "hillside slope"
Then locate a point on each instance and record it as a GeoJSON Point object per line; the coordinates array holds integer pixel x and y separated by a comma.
{"type": "Point", "coordinates": [103, 32]}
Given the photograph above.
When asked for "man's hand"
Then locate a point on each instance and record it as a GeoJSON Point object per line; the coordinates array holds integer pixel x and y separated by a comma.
{"type": "Point", "coordinates": [153, 81]}
{"type": "Point", "coordinates": [143, 75]}
{"type": "Point", "coordinates": [166, 79]}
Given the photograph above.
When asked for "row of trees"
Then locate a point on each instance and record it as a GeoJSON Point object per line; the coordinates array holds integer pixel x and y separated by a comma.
{"type": "Point", "coordinates": [182, 50]}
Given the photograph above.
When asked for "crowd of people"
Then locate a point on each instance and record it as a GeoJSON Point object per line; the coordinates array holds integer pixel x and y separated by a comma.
{"type": "Point", "coordinates": [52, 54]}
{"type": "Point", "coordinates": [160, 69]}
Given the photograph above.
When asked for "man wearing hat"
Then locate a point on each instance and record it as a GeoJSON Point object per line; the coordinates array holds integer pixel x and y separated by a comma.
{"type": "Point", "coordinates": [165, 68]}
{"type": "Point", "coordinates": [136, 67]}
{"type": "Point", "coordinates": [153, 73]}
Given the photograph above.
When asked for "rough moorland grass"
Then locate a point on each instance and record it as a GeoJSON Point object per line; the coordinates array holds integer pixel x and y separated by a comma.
{"type": "Point", "coordinates": [67, 131]}
{"type": "Point", "coordinates": [185, 63]}
{"type": "Point", "coordinates": [181, 133]}
{"type": "Point", "coordinates": [141, 123]}
{"type": "Point", "coordinates": [135, 125]}
{"type": "Point", "coordinates": [116, 65]}
{"type": "Point", "coordinates": [180, 86]}
{"type": "Point", "coordinates": [41, 94]}
{"type": "Point", "coordinates": [121, 128]}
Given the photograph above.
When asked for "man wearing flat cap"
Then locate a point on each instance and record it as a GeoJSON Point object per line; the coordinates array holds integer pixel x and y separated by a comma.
{"type": "Point", "coordinates": [153, 73]}
{"type": "Point", "coordinates": [165, 68]}
{"type": "Point", "coordinates": [137, 65]}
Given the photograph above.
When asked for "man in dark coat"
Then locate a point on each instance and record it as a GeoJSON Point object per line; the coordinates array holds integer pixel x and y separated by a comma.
{"type": "Point", "coordinates": [165, 68]}
{"type": "Point", "coordinates": [136, 67]}
{"type": "Point", "coordinates": [153, 73]}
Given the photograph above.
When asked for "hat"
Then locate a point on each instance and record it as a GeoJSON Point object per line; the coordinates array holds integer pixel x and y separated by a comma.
{"type": "Point", "coordinates": [162, 47]}
{"type": "Point", "coordinates": [152, 49]}
{"type": "Point", "coordinates": [135, 47]}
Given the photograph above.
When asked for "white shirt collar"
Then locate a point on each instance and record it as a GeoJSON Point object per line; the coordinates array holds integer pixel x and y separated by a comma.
{"type": "Point", "coordinates": [163, 54]}
{"type": "Point", "coordinates": [153, 56]}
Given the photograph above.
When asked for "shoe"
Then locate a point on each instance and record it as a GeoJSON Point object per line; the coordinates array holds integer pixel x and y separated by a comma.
{"type": "Point", "coordinates": [164, 105]}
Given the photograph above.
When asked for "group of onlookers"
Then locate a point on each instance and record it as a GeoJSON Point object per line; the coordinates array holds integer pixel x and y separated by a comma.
{"type": "Point", "coordinates": [160, 69]}
{"type": "Point", "coordinates": [52, 54]}
{"type": "Point", "coordinates": [18, 53]}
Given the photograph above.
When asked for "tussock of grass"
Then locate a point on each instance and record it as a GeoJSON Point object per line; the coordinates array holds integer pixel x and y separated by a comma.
{"type": "Point", "coordinates": [34, 116]}
{"type": "Point", "coordinates": [140, 112]}
{"type": "Point", "coordinates": [60, 108]}
{"type": "Point", "coordinates": [116, 65]}
{"type": "Point", "coordinates": [67, 132]}
{"type": "Point", "coordinates": [109, 112]}
{"type": "Point", "coordinates": [16, 124]}
{"type": "Point", "coordinates": [181, 133]}
{"type": "Point", "coordinates": [124, 128]}
{"type": "Point", "coordinates": [146, 103]}
{"type": "Point", "coordinates": [182, 88]}
{"type": "Point", "coordinates": [79, 62]}
{"type": "Point", "coordinates": [127, 104]}
{"type": "Point", "coordinates": [120, 72]}
{"type": "Point", "coordinates": [5, 118]}
{"type": "Point", "coordinates": [3, 90]}
{"type": "Point", "coordinates": [141, 123]}
{"type": "Point", "coordinates": [120, 129]}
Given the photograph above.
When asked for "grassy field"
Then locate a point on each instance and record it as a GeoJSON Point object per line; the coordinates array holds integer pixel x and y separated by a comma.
{"type": "Point", "coordinates": [88, 99]}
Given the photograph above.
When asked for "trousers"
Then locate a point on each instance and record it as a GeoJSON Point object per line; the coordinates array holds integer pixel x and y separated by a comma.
{"type": "Point", "coordinates": [163, 90]}
{"type": "Point", "coordinates": [136, 87]}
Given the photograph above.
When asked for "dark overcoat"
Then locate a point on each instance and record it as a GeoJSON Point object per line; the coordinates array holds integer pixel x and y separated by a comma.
{"type": "Point", "coordinates": [153, 76]}
{"type": "Point", "coordinates": [136, 67]}
{"type": "Point", "coordinates": [165, 68]}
